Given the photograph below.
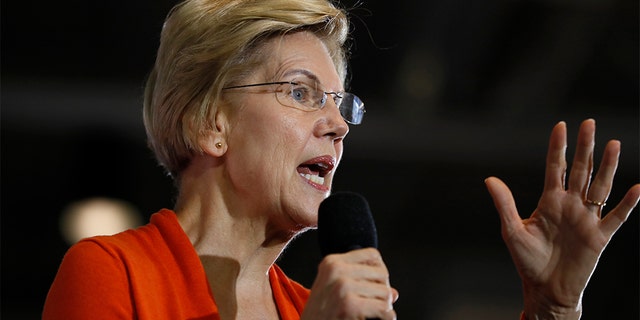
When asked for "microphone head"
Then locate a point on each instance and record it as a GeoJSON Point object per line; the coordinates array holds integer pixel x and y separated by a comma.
{"type": "Point", "coordinates": [345, 223]}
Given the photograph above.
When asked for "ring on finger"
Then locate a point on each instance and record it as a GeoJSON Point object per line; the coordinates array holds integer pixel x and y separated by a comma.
{"type": "Point", "coordinates": [595, 203]}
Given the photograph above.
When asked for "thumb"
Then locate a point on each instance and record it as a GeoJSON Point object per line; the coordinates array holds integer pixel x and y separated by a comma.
{"type": "Point", "coordinates": [504, 203]}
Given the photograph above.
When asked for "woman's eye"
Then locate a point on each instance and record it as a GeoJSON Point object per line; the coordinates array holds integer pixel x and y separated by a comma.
{"type": "Point", "coordinates": [300, 93]}
{"type": "Point", "coordinates": [323, 100]}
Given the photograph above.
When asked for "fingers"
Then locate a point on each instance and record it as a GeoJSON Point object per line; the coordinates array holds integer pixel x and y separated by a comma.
{"type": "Point", "coordinates": [394, 295]}
{"type": "Point", "coordinates": [601, 186]}
{"type": "Point", "coordinates": [355, 285]}
{"type": "Point", "coordinates": [356, 307]}
{"type": "Point", "coordinates": [616, 217]}
{"type": "Point", "coordinates": [361, 265]}
{"type": "Point", "coordinates": [582, 165]}
{"type": "Point", "coordinates": [504, 203]}
{"type": "Point", "coordinates": [556, 158]}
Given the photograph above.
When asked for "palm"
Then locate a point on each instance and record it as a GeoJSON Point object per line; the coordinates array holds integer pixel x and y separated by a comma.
{"type": "Point", "coordinates": [557, 244]}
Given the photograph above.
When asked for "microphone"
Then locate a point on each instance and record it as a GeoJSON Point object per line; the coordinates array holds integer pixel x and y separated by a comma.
{"type": "Point", "coordinates": [345, 223]}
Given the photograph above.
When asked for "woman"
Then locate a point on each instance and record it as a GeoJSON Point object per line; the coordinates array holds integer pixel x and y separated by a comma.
{"type": "Point", "coordinates": [241, 109]}
{"type": "Point", "coordinates": [245, 108]}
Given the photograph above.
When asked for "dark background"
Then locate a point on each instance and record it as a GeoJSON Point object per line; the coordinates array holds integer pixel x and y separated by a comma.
{"type": "Point", "coordinates": [456, 91]}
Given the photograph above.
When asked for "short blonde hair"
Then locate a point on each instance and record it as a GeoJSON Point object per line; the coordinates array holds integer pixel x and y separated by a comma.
{"type": "Point", "coordinates": [206, 44]}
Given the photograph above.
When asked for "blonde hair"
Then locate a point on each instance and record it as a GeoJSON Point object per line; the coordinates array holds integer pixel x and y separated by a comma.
{"type": "Point", "coordinates": [206, 44]}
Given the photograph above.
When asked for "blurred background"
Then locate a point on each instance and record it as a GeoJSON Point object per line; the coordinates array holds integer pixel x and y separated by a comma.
{"type": "Point", "coordinates": [455, 91]}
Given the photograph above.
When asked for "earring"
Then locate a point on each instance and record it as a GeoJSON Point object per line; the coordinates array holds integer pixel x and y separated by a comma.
{"type": "Point", "coordinates": [219, 145]}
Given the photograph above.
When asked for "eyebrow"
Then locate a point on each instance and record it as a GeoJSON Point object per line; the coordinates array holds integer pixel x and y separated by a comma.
{"type": "Point", "coordinates": [304, 72]}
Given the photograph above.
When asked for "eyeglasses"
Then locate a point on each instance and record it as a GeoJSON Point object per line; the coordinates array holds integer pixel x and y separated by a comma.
{"type": "Point", "coordinates": [301, 95]}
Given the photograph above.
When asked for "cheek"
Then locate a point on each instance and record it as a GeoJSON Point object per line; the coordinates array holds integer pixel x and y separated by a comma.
{"type": "Point", "coordinates": [265, 149]}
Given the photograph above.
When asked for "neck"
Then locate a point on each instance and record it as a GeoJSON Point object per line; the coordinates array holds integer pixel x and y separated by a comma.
{"type": "Point", "coordinates": [236, 245]}
{"type": "Point", "coordinates": [238, 233]}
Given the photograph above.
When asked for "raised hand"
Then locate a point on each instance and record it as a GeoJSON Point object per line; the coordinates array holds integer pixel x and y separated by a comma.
{"type": "Point", "coordinates": [557, 248]}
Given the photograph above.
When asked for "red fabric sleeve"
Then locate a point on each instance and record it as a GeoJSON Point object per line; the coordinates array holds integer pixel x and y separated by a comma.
{"type": "Point", "coordinates": [91, 284]}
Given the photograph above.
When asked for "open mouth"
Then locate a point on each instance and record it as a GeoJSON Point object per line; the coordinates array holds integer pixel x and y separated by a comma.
{"type": "Point", "coordinates": [316, 169]}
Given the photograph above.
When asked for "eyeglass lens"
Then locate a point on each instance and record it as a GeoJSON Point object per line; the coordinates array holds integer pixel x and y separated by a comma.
{"type": "Point", "coordinates": [351, 108]}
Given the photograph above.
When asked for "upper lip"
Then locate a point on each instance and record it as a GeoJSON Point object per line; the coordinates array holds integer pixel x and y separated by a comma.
{"type": "Point", "coordinates": [321, 165]}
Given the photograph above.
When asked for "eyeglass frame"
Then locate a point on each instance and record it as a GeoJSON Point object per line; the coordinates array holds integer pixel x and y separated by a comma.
{"type": "Point", "coordinates": [322, 104]}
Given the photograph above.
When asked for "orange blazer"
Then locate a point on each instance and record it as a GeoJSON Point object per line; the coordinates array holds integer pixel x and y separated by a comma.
{"type": "Point", "coordinates": [152, 272]}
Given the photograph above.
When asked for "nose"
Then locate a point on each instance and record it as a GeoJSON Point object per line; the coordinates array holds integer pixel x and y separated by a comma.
{"type": "Point", "coordinates": [331, 124]}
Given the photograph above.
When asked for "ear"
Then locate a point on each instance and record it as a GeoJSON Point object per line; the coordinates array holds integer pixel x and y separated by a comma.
{"type": "Point", "coordinates": [212, 140]}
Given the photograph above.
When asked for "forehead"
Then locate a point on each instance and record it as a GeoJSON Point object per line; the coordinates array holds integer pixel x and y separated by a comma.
{"type": "Point", "coordinates": [302, 54]}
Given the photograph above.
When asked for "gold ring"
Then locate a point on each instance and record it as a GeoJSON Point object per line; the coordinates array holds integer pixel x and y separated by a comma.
{"type": "Point", "coordinates": [596, 203]}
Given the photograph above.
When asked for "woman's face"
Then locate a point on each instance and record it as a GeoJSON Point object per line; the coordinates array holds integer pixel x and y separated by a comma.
{"type": "Point", "coordinates": [281, 159]}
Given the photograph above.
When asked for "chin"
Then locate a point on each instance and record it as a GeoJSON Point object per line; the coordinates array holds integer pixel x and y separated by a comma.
{"type": "Point", "coordinates": [304, 219]}
{"type": "Point", "coordinates": [303, 211]}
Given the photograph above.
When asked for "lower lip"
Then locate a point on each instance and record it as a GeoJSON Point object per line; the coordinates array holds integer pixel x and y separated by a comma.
{"type": "Point", "coordinates": [320, 187]}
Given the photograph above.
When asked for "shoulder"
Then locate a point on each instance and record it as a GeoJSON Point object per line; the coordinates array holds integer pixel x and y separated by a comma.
{"type": "Point", "coordinates": [159, 241]}
{"type": "Point", "coordinates": [120, 252]}
{"type": "Point", "coordinates": [102, 251]}
{"type": "Point", "coordinates": [90, 278]}
{"type": "Point", "coordinates": [99, 273]}
{"type": "Point", "coordinates": [104, 258]}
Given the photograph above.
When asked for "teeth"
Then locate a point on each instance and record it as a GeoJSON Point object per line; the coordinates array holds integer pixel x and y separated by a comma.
{"type": "Point", "coordinates": [313, 178]}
